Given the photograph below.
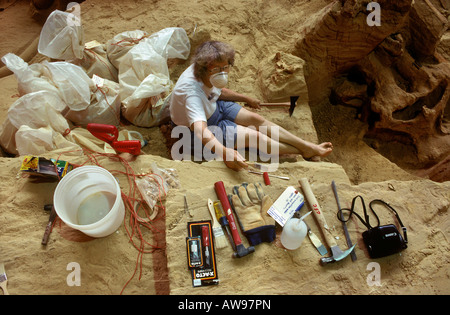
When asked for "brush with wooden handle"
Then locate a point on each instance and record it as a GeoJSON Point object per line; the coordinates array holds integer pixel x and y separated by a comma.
{"type": "Point", "coordinates": [219, 236]}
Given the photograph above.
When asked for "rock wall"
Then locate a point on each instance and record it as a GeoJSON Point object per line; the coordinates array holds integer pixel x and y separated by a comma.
{"type": "Point", "coordinates": [392, 73]}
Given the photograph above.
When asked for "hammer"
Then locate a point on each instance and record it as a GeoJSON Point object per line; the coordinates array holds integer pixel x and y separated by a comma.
{"type": "Point", "coordinates": [337, 253]}
{"type": "Point", "coordinates": [241, 251]}
{"type": "Point", "coordinates": [291, 104]}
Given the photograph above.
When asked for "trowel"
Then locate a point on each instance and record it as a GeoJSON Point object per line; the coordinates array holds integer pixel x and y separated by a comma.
{"type": "Point", "coordinates": [316, 242]}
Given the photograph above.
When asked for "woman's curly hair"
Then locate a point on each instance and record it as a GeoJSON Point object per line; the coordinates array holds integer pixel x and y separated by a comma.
{"type": "Point", "coordinates": [209, 52]}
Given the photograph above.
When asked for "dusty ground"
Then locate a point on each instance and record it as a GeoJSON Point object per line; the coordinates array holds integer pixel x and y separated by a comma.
{"type": "Point", "coordinates": [258, 31]}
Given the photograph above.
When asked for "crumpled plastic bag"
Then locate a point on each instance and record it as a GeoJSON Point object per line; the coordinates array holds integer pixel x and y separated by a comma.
{"type": "Point", "coordinates": [69, 81]}
{"type": "Point", "coordinates": [7, 137]}
{"type": "Point", "coordinates": [119, 45]}
{"type": "Point", "coordinates": [34, 110]}
{"type": "Point", "coordinates": [171, 42]}
{"type": "Point", "coordinates": [42, 140]}
{"type": "Point", "coordinates": [72, 82]}
{"type": "Point", "coordinates": [144, 76]}
{"type": "Point", "coordinates": [30, 78]}
{"type": "Point", "coordinates": [154, 187]}
{"type": "Point", "coordinates": [85, 139]}
{"type": "Point", "coordinates": [104, 107]}
{"type": "Point", "coordinates": [39, 109]}
{"type": "Point", "coordinates": [95, 61]}
{"type": "Point", "coordinates": [32, 141]}
{"type": "Point", "coordinates": [61, 37]}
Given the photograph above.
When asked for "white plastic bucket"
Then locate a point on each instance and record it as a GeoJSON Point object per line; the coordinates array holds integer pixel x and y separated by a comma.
{"type": "Point", "coordinates": [80, 185]}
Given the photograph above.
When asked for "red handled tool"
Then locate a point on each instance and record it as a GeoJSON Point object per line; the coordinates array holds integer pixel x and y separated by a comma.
{"type": "Point", "coordinates": [205, 242]}
{"type": "Point", "coordinates": [266, 178]}
{"type": "Point", "coordinates": [109, 134]}
{"type": "Point", "coordinates": [241, 251]}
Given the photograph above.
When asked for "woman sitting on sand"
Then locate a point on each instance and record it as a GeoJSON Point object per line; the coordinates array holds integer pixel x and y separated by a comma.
{"type": "Point", "coordinates": [200, 101]}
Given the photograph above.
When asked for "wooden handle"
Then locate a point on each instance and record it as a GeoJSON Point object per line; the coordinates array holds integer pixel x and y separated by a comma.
{"type": "Point", "coordinates": [275, 104]}
{"type": "Point", "coordinates": [48, 229]}
{"type": "Point", "coordinates": [317, 211]}
{"type": "Point", "coordinates": [212, 212]}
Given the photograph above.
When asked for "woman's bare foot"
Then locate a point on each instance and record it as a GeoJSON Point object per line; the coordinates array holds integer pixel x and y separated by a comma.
{"type": "Point", "coordinates": [316, 151]}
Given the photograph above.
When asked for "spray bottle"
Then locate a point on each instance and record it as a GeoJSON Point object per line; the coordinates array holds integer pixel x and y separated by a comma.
{"type": "Point", "coordinates": [294, 231]}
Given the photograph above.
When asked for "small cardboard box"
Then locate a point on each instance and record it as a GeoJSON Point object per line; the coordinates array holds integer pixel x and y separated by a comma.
{"type": "Point", "coordinates": [40, 166]}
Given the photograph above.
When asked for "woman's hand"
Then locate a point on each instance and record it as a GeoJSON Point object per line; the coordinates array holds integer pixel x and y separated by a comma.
{"type": "Point", "coordinates": [230, 95]}
{"type": "Point", "coordinates": [253, 103]}
{"type": "Point", "coordinates": [234, 160]}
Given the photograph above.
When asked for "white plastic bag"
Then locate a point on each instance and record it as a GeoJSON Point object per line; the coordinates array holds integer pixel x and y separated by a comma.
{"type": "Point", "coordinates": [7, 137]}
{"type": "Point", "coordinates": [72, 82]}
{"type": "Point", "coordinates": [35, 125]}
{"type": "Point", "coordinates": [104, 107]}
{"type": "Point", "coordinates": [69, 81]}
{"type": "Point", "coordinates": [42, 140]}
{"type": "Point", "coordinates": [144, 76]}
{"type": "Point", "coordinates": [117, 47]}
{"type": "Point", "coordinates": [61, 37]}
{"type": "Point", "coordinates": [95, 61]}
{"type": "Point", "coordinates": [152, 111]}
{"type": "Point", "coordinates": [39, 109]}
{"type": "Point", "coordinates": [29, 114]}
{"type": "Point", "coordinates": [171, 42]}
{"type": "Point", "coordinates": [30, 78]}
{"type": "Point", "coordinates": [32, 141]}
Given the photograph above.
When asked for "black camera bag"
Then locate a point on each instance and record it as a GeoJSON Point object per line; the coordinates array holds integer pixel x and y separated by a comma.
{"type": "Point", "coordinates": [382, 240]}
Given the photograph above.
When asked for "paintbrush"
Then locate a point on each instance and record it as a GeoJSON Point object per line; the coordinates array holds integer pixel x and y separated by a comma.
{"type": "Point", "coordinates": [223, 222]}
{"type": "Point", "coordinates": [219, 237]}
{"type": "Point", "coordinates": [3, 279]}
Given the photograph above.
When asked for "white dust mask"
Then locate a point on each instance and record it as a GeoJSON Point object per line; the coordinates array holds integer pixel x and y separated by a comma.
{"type": "Point", "coordinates": [219, 80]}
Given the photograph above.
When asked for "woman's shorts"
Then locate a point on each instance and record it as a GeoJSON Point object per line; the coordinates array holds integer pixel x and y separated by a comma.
{"type": "Point", "coordinates": [222, 125]}
{"type": "Point", "coordinates": [222, 121]}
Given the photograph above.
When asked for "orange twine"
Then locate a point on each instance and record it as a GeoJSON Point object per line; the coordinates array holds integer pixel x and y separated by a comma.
{"type": "Point", "coordinates": [115, 113]}
{"type": "Point", "coordinates": [136, 225]}
{"type": "Point", "coordinates": [129, 41]}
